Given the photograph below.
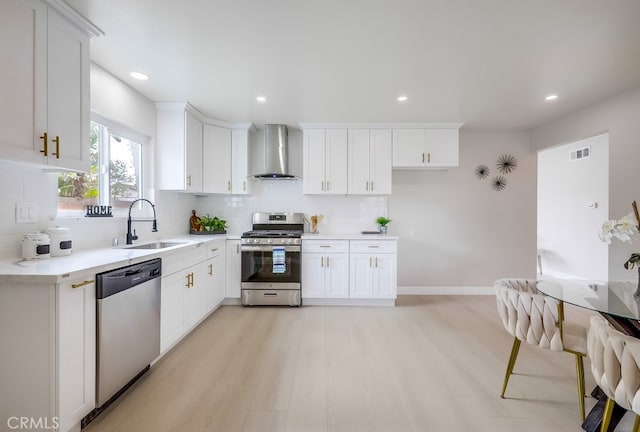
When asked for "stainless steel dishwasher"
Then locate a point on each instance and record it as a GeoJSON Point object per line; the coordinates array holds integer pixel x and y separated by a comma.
{"type": "Point", "coordinates": [128, 327]}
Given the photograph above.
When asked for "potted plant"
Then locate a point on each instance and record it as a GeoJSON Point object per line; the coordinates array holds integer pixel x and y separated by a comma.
{"type": "Point", "coordinates": [213, 224]}
{"type": "Point", "coordinates": [382, 224]}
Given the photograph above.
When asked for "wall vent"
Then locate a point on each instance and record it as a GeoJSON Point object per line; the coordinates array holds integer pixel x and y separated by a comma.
{"type": "Point", "coordinates": [582, 153]}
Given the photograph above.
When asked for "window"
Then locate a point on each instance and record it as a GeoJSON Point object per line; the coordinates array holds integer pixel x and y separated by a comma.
{"type": "Point", "coordinates": [115, 171]}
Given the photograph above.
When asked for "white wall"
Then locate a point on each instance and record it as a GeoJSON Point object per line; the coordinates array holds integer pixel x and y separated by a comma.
{"type": "Point", "coordinates": [619, 117]}
{"type": "Point", "coordinates": [567, 228]}
{"type": "Point", "coordinates": [454, 229]}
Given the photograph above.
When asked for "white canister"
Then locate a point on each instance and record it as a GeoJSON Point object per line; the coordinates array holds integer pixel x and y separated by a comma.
{"type": "Point", "coordinates": [60, 241]}
{"type": "Point", "coordinates": [36, 246]}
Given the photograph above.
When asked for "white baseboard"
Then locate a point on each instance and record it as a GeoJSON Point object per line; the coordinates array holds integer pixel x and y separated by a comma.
{"type": "Point", "coordinates": [348, 302]}
{"type": "Point", "coordinates": [417, 290]}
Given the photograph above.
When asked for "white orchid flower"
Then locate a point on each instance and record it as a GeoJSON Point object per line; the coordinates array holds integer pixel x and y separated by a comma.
{"type": "Point", "coordinates": [606, 232]}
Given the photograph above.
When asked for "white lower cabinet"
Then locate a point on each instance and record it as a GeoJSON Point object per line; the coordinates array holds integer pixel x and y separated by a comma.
{"type": "Point", "coordinates": [234, 270]}
{"type": "Point", "coordinates": [373, 269]}
{"type": "Point", "coordinates": [325, 269]}
{"type": "Point", "coordinates": [214, 275]}
{"type": "Point", "coordinates": [355, 269]}
{"type": "Point", "coordinates": [48, 339]}
{"type": "Point", "coordinates": [192, 286]}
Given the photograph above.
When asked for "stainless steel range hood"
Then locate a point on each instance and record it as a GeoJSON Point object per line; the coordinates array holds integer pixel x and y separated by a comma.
{"type": "Point", "coordinates": [276, 137]}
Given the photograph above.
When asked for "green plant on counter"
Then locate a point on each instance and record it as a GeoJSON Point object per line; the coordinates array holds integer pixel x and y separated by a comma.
{"type": "Point", "coordinates": [213, 223]}
{"type": "Point", "coordinates": [383, 221]}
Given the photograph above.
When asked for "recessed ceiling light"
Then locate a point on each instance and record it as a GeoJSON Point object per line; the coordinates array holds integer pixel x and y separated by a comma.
{"type": "Point", "coordinates": [551, 97]}
{"type": "Point", "coordinates": [261, 99]}
{"type": "Point", "coordinates": [139, 76]}
{"type": "Point", "coordinates": [402, 98]}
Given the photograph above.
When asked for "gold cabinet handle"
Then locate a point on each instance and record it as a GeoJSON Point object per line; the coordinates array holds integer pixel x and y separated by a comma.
{"type": "Point", "coordinates": [210, 269]}
{"type": "Point", "coordinates": [237, 247]}
{"type": "Point", "coordinates": [372, 186]}
{"type": "Point", "coordinates": [370, 261]}
{"type": "Point", "coordinates": [422, 157]}
{"type": "Point", "coordinates": [81, 284]}
{"type": "Point", "coordinates": [376, 262]}
{"type": "Point", "coordinates": [229, 185]}
{"type": "Point", "coordinates": [325, 246]}
{"type": "Point", "coordinates": [57, 152]}
{"type": "Point", "coordinates": [322, 186]}
{"type": "Point", "coordinates": [188, 280]}
{"type": "Point", "coordinates": [321, 261]}
{"type": "Point", "coordinates": [428, 157]}
{"type": "Point", "coordinates": [366, 187]}
{"type": "Point", "coordinates": [214, 249]}
{"type": "Point", "coordinates": [373, 246]}
{"type": "Point", "coordinates": [244, 186]}
{"type": "Point", "coordinates": [45, 138]}
{"type": "Point", "coordinates": [327, 262]}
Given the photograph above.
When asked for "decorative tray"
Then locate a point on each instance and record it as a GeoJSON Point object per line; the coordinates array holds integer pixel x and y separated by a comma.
{"type": "Point", "coordinates": [192, 232]}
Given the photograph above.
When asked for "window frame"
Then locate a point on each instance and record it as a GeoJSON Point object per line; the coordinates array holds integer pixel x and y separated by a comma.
{"type": "Point", "coordinates": [114, 128]}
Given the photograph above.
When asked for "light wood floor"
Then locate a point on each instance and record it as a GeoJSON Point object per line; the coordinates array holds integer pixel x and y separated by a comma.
{"type": "Point", "coordinates": [432, 363]}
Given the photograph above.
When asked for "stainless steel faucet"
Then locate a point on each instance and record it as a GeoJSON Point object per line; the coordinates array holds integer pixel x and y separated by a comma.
{"type": "Point", "coordinates": [154, 227]}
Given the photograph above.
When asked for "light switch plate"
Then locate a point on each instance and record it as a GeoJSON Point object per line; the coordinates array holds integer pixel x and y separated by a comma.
{"type": "Point", "coordinates": [26, 213]}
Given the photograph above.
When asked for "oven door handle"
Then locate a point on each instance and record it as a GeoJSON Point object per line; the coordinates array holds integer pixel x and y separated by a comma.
{"type": "Point", "coordinates": [266, 248]}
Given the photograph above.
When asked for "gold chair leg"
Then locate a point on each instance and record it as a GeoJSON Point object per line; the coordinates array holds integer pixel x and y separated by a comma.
{"type": "Point", "coordinates": [580, 378]}
{"type": "Point", "coordinates": [606, 416]}
{"type": "Point", "coordinates": [636, 425]}
{"type": "Point", "coordinates": [512, 362]}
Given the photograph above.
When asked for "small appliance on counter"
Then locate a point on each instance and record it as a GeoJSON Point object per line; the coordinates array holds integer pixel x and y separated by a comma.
{"type": "Point", "coordinates": [60, 241]}
{"type": "Point", "coordinates": [36, 246]}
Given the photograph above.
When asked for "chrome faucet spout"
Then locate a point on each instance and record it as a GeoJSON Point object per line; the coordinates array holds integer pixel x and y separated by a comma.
{"type": "Point", "coordinates": [154, 227]}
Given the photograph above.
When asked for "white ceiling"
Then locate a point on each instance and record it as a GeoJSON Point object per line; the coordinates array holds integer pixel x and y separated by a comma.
{"type": "Point", "coordinates": [487, 63]}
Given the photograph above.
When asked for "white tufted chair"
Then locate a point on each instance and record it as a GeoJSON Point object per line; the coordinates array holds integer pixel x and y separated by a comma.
{"type": "Point", "coordinates": [615, 363]}
{"type": "Point", "coordinates": [530, 316]}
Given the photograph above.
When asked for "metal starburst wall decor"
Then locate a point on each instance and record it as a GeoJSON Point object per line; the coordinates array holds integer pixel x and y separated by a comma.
{"type": "Point", "coordinates": [506, 163]}
{"type": "Point", "coordinates": [482, 171]}
{"type": "Point", "coordinates": [498, 183]}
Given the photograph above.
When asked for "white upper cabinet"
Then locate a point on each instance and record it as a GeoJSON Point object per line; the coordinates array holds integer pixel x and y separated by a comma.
{"type": "Point", "coordinates": [179, 147]}
{"type": "Point", "coordinates": [216, 151]}
{"type": "Point", "coordinates": [226, 160]}
{"type": "Point", "coordinates": [425, 148]}
{"type": "Point", "coordinates": [325, 161]}
{"type": "Point", "coordinates": [240, 161]}
{"type": "Point", "coordinates": [45, 85]}
{"type": "Point", "coordinates": [369, 156]}
{"type": "Point", "coordinates": [201, 155]}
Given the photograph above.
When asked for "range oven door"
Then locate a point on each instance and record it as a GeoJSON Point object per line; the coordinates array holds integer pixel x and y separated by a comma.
{"type": "Point", "coordinates": [271, 274]}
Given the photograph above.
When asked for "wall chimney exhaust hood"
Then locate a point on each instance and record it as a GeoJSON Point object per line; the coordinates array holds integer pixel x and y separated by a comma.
{"type": "Point", "coordinates": [276, 147]}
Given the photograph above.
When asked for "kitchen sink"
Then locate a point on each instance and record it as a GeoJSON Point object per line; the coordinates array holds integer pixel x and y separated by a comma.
{"type": "Point", "coordinates": [155, 245]}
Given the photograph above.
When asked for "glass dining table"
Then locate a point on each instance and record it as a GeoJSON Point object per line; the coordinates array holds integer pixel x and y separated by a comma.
{"type": "Point", "coordinates": [615, 300]}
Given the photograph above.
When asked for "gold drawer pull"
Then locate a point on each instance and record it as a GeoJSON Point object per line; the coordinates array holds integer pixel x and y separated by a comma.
{"type": "Point", "coordinates": [81, 284]}
{"type": "Point", "coordinates": [374, 246]}
{"type": "Point", "coordinates": [45, 138]}
{"type": "Point", "coordinates": [57, 152]}
{"type": "Point", "coordinates": [325, 246]}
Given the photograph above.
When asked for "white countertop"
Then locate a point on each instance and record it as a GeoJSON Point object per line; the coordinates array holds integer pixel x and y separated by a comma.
{"type": "Point", "coordinates": [57, 269]}
{"type": "Point", "coordinates": [347, 236]}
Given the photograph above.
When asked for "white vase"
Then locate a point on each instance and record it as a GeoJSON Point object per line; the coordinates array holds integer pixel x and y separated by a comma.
{"type": "Point", "coordinates": [383, 229]}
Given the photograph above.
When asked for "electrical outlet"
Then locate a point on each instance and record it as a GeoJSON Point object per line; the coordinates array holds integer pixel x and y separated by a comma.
{"type": "Point", "coordinates": [26, 213]}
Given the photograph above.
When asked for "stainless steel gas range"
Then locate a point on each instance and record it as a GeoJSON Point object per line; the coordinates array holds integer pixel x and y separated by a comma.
{"type": "Point", "coordinates": [271, 260]}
